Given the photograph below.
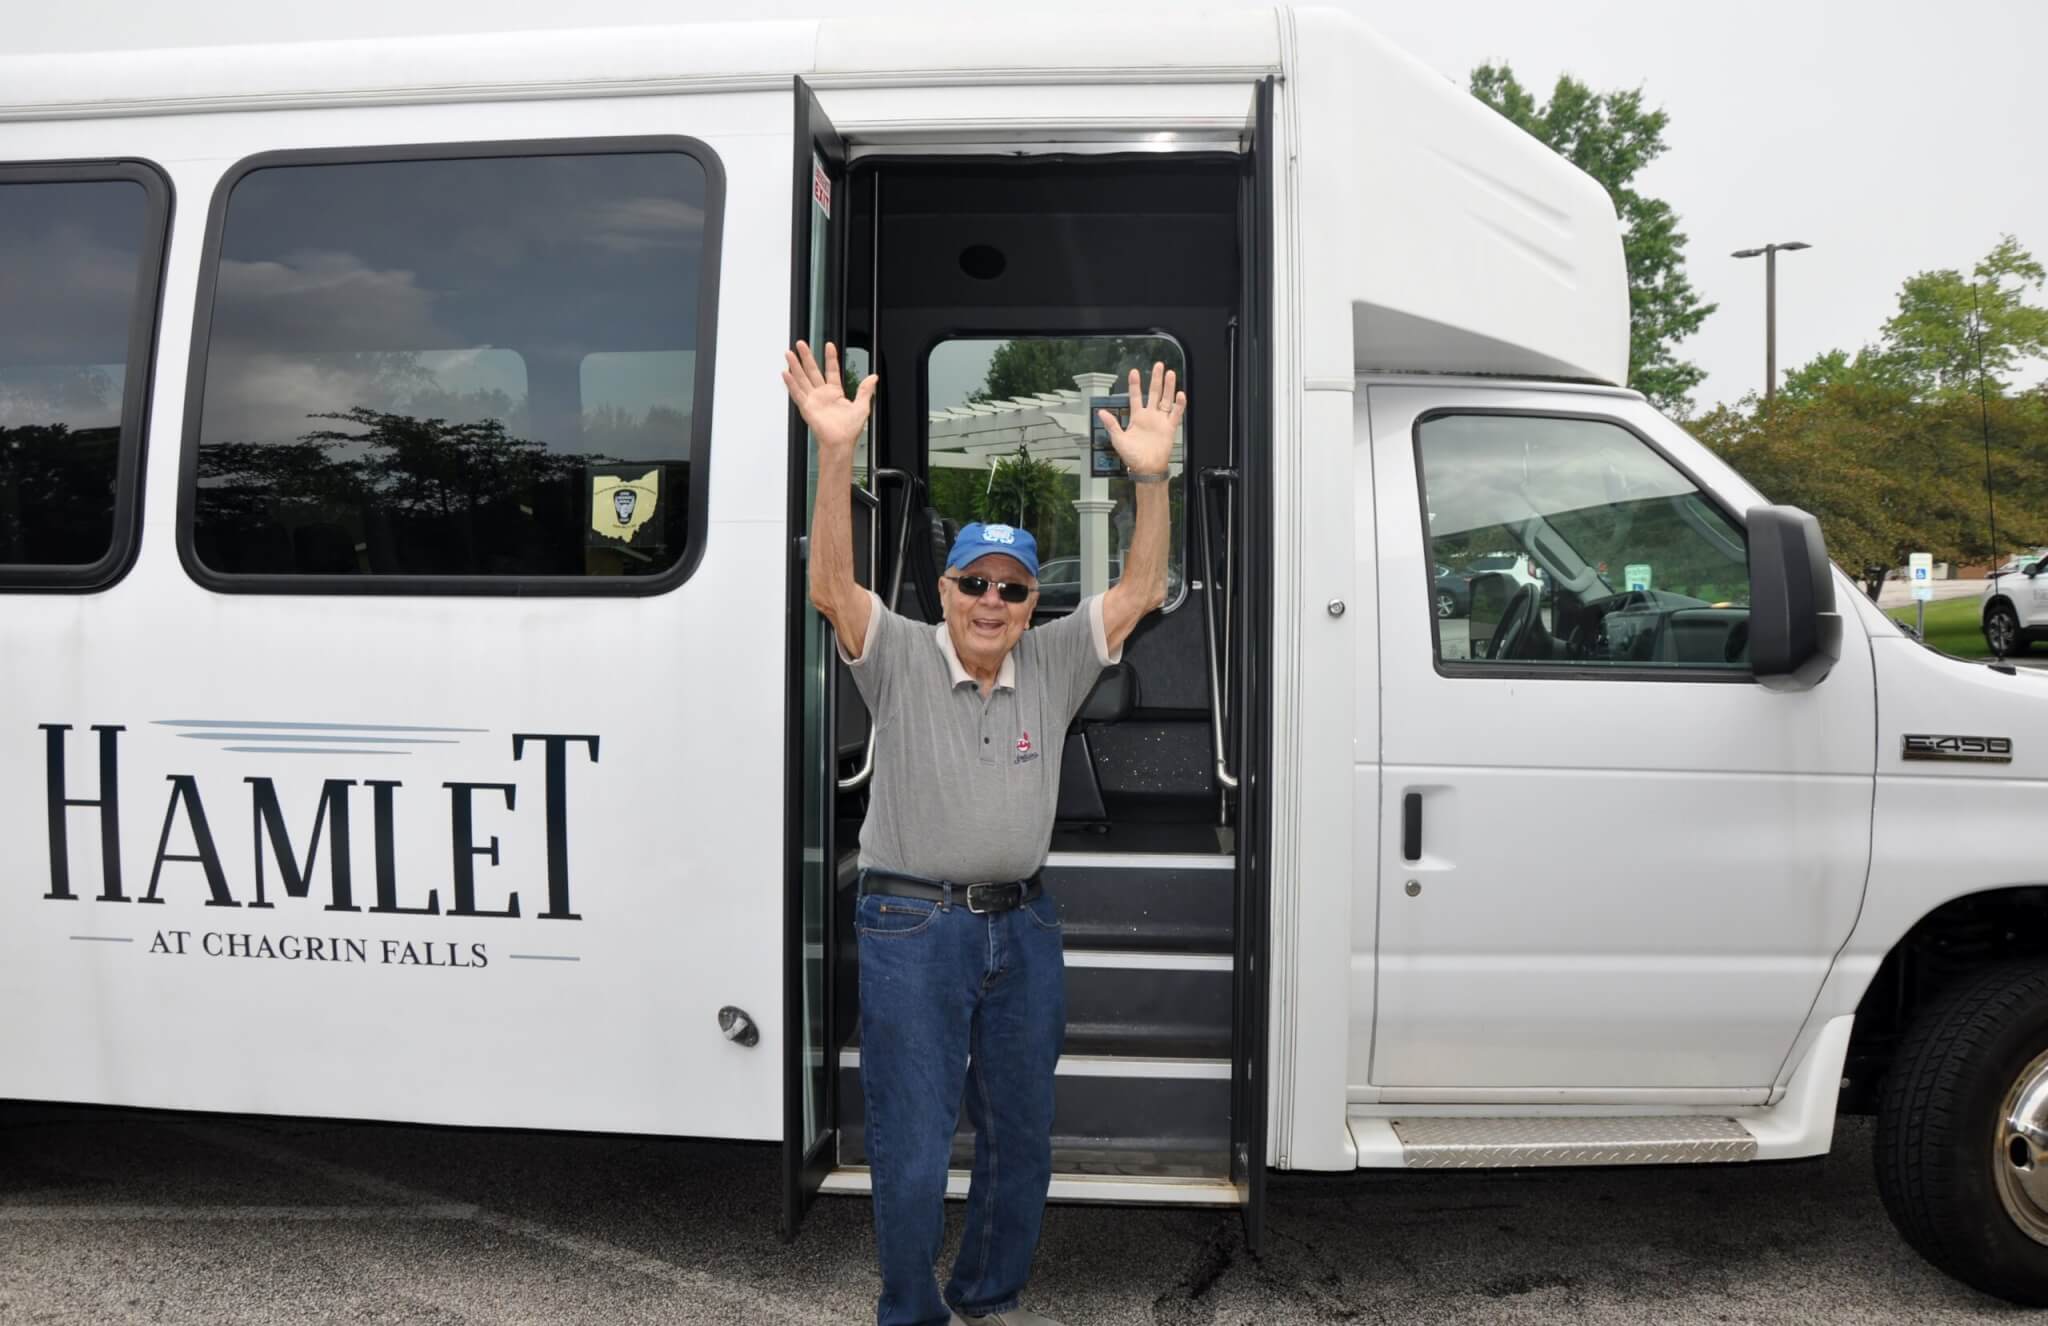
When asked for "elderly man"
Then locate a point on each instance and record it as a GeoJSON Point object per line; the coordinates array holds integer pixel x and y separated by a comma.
{"type": "Point", "coordinates": [962, 983]}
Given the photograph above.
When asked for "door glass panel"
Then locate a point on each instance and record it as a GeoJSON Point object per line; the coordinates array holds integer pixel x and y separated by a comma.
{"type": "Point", "coordinates": [1571, 543]}
{"type": "Point", "coordinates": [819, 771]}
{"type": "Point", "coordinates": [855, 365]}
{"type": "Point", "coordinates": [1011, 436]}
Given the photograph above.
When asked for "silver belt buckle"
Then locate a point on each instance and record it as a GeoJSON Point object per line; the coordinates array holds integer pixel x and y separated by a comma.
{"type": "Point", "coordinates": [980, 911]}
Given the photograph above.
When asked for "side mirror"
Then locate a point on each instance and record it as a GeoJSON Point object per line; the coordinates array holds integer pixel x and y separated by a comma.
{"type": "Point", "coordinates": [2035, 569]}
{"type": "Point", "coordinates": [1795, 634]}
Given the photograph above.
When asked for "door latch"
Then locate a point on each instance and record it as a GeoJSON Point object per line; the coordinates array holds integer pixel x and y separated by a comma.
{"type": "Point", "coordinates": [738, 1027]}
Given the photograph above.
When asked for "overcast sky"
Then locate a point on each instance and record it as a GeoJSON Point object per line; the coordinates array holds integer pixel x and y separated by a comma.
{"type": "Point", "coordinates": [1892, 136]}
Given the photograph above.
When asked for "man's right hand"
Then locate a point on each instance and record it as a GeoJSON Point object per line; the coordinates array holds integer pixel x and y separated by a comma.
{"type": "Point", "coordinates": [836, 422]}
{"type": "Point", "coordinates": [821, 398]}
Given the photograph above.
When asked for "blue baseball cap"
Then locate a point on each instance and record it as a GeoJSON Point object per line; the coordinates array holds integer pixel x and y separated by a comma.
{"type": "Point", "coordinates": [977, 541]}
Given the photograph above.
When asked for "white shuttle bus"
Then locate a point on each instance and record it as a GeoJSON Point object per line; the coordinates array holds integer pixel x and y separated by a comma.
{"type": "Point", "coordinates": [410, 708]}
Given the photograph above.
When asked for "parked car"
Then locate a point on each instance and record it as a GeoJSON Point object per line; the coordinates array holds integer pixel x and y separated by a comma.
{"type": "Point", "coordinates": [2016, 604]}
{"type": "Point", "coordinates": [1453, 592]}
{"type": "Point", "coordinates": [1519, 567]}
{"type": "Point", "coordinates": [2019, 562]}
{"type": "Point", "coordinates": [1059, 583]}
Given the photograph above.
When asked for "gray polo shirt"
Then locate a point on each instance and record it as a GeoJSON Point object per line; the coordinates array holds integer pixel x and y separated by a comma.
{"type": "Point", "coordinates": [965, 788]}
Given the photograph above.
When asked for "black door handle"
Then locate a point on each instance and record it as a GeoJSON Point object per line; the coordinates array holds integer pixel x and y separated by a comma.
{"type": "Point", "coordinates": [1411, 827]}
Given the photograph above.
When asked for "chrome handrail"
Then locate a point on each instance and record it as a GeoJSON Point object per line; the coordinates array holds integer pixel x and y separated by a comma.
{"type": "Point", "coordinates": [859, 777]}
{"type": "Point", "coordinates": [1209, 632]}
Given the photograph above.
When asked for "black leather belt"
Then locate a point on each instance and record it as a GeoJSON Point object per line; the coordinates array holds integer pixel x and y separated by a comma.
{"type": "Point", "coordinates": [981, 899]}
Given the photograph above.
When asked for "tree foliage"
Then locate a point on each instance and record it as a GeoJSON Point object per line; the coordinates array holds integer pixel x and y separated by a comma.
{"type": "Point", "coordinates": [1887, 447]}
{"type": "Point", "coordinates": [1612, 136]}
{"type": "Point", "coordinates": [1025, 492]}
{"type": "Point", "coordinates": [1946, 321]}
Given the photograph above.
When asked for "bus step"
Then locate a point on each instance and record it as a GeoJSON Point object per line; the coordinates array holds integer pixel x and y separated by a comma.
{"type": "Point", "coordinates": [1467, 1142]}
{"type": "Point", "coordinates": [1121, 1189]}
{"type": "Point", "coordinates": [1147, 1112]}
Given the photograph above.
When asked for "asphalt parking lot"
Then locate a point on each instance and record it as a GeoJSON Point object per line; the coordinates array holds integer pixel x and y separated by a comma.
{"type": "Point", "coordinates": [119, 1216]}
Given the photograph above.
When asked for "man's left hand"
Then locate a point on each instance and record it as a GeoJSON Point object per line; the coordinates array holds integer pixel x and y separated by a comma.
{"type": "Point", "coordinates": [1146, 443]}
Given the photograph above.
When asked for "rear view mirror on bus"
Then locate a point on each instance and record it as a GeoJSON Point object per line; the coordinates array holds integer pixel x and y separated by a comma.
{"type": "Point", "coordinates": [1795, 634]}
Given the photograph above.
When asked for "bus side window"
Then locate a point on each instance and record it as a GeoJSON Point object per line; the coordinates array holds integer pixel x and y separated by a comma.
{"type": "Point", "coordinates": [427, 370]}
{"type": "Point", "coordinates": [81, 250]}
{"type": "Point", "coordinates": [1573, 543]}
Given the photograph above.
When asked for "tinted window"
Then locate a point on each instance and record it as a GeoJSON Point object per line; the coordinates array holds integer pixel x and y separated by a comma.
{"type": "Point", "coordinates": [78, 264]}
{"type": "Point", "coordinates": [1573, 543]}
{"type": "Point", "coordinates": [483, 367]}
{"type": "Point", "coordinates": [1011, 435]}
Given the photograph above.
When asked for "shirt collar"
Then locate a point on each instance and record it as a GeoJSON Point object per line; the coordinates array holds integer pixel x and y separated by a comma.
{"type": "Point", "coordinates": [1006, 675]}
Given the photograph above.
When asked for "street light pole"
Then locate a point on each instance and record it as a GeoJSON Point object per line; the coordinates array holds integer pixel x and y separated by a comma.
{"type": "Point", "coordinates": [1770, 256]}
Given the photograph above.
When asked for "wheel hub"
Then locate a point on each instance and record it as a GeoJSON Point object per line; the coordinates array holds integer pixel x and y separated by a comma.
{"type": "Point", "coordinates": [2020, 1155]}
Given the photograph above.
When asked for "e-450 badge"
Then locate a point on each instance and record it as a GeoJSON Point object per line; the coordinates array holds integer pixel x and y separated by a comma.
{"type": "Point", "coordinates": [1977, 750]}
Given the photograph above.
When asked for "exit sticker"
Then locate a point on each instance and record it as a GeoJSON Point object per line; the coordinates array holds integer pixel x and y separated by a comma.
{"type": "Point", "coordinates": [821, 188]}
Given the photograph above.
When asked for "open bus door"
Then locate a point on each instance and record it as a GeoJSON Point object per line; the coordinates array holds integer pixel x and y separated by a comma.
{"type": "Point", "coordinates": [1248, 582]}
{"type": "Point", "coordinates": [817, 314]}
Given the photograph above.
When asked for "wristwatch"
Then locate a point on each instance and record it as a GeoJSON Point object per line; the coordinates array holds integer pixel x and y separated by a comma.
{"type": "Point", "coordinates": [1160, 477]}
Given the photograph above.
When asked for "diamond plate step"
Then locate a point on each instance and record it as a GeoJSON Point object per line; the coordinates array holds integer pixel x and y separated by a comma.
{"type": "Point", "coordinates": [1489, 1143]}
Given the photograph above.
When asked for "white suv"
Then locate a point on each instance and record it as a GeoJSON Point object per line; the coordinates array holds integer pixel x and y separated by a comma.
{"type": "Point", "coordinates": [1519, 567]}
{"type": "Point", "coordinates": [2016, 604]}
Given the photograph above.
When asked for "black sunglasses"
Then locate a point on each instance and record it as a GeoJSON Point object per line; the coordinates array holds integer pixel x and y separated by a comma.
{"type": "Point", "coordinates": [1009, 591]}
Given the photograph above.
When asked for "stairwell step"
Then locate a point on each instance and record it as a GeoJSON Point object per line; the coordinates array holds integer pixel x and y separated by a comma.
{"type": "Point", "coordinates": [1162, 902]}
{"type": "Point", "coordinates": [1122, 1105]}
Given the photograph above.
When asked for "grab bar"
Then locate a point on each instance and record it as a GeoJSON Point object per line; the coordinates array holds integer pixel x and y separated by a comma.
{"type": "Point", "coordinates": [1209, 633]}
{"type": "Point", "coordinates": [859, 777]}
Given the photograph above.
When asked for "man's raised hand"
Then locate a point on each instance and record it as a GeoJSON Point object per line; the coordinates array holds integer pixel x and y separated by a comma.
{"type": "Point", "coordinates": [1146, 443]}
{"type": "Point", "coordinates": [821, 398]}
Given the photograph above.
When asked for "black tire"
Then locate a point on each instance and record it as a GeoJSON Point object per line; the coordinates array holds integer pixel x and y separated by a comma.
{"type": "Point", "coordinates": [2007, 622]}
{"type": "Point", "coordinates": [1937, 1129]}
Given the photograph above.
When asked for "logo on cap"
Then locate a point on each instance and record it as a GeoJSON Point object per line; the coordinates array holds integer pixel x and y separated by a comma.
{"type": "Point", "coordinates": [998, 534]}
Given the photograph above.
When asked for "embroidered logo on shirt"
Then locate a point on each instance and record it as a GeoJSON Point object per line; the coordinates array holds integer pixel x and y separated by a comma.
{"type": "Point", "coordinates": [1024, 751]}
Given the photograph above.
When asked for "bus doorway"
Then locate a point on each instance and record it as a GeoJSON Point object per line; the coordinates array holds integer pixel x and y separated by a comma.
{"type": "Point", "coordinates": [1002, 301]}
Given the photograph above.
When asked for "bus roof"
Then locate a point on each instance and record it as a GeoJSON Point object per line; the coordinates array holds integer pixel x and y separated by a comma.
{"type": "Point", "coordinates": [652, 58]}
{"type": "Point", "coordinates": [1429, 234]}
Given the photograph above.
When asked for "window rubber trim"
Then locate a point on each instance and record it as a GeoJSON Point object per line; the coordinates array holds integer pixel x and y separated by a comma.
{"type": "Point", "coordinates": [1460, 670]}
{"type": "Point", "coordinates": [138, 381]}
{"type": "Point", "coordinates": [297, 584]}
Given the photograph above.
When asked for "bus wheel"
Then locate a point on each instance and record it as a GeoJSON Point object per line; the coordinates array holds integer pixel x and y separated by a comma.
{"type": "Point", "coordinates": [1962, 1134]}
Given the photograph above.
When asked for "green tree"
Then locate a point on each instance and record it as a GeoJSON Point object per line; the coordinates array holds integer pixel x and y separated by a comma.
{"type": "Point", "coordinates": [1945, 320]}
{"type": "Point", "coordinates": [1888, 473]}
{"type": "Point", "coordinates": [1888, 446]}
{"type": "Point", "coordinates": [1930, 346]}
{"type": "Point", "coordinates": [1024, 492]}
{"type": "Point", "coordinates": [1868, 370]}
{"type": "Point", "coordinates": [1612, 136]}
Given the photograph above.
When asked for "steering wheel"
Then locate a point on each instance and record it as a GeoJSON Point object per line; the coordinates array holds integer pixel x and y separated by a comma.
{"type": "Point", "coordinates": [1515, 624]}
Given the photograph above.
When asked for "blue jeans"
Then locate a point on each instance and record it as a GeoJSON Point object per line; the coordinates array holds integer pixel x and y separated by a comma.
{"type": "Point", "coordinates": [950, 1000]}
